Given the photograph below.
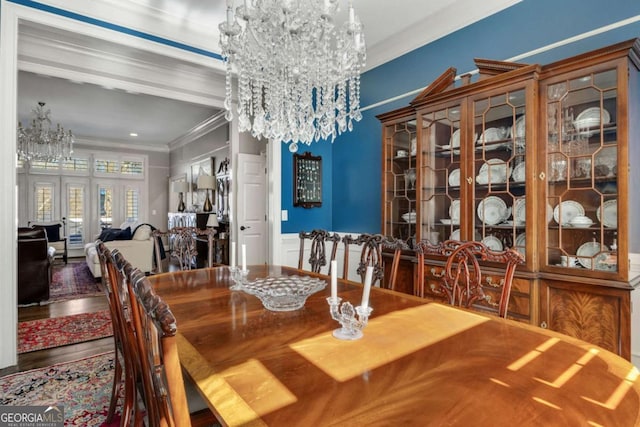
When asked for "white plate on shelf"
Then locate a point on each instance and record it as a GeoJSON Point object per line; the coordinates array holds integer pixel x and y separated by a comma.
{"type": "Point", "coordinates": [491, 135]}
{"type": "Point", "coordinates": [520, 243]}
{"type": "Point", "coordinates": [570, 209]}
{"type": "Point", "coordinates": [590, 118]}
{"type": "Point", "coordinates": [454, 178]}
{"type": "Point", "coordinates": [456, 235]}
{"type": "Point", "coordinates": [493, 243]}
{"type": "Point", "coordinates": [518, 174]}
{"type": "Point", "coordinates": [607, 213]}
{"type": "Point", "coordinates": [454, 141]}
{"type": "Point", "coordinates": [492, 210]}
{"type": "Point", "coordinates": [592, 251]}
{"type": "Point", "coordinates": [518, 131]}
{"type": "Point", "coordinates": [519, 211]}
{"type": "Point", "coordinates": [496, 169]}
{"type": "Point", "coordinates": [454, 211]}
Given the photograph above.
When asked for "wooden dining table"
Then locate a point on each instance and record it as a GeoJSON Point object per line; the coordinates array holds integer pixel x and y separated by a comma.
{"type": "Point", "coordinates": [419, 363]}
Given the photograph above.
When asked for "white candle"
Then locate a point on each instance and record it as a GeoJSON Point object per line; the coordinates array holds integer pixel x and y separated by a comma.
{"type": "Point", "coordinates": [367, 288]}
{"type": "Point", "coordinates": [233, 254]}
{"type": "Point", "coordinates": [352, 15]}
{"type": "Point", "coordinates": [334, 279]}
{"type": "Point", "coordinates": [244, 257]}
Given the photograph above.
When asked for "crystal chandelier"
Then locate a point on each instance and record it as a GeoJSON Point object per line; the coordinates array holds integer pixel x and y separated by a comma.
{"type": "Point", "coordinates": [40, 141]}
{"type": "Point", "coordinates": [298, 72]}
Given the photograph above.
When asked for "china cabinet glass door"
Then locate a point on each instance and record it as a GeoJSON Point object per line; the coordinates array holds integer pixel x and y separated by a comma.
{"type": "Point", "coordinates": [399, 180]}
{"type": "Point", "coordinates": [441, 173]}
{"type": "Point", "coordinates": [499, 151]}
{"type": "Point", "coordinates": [582, 171]}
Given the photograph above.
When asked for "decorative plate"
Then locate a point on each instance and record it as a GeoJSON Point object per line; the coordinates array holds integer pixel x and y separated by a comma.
{"type": "Point", "coordinates": [498, 170]}
{"type": "Point", "coordinates": [590, 118]}
{"type": "Point", "coordinates": [456, 235]}
{"type": "Point", "coordinates": [454, 211]}
{"type": "Point", "coordinates": [570, 209]}
{"type": "Point", "coordinates": [519, 211]}
{"type": "Point", "coordinates": [454, 178]}
{"type": "Point", "coordinates": [493, 243]}
{"type": "Point", "coordinates": [518, 174]}
{"type": "Point", "coordinates": [549, 213]}
{"type": "Point", "coordinates": [520, 243]}
{"type": "Point", "coordinates": [519, 131]}
{"type": "Point", "coordinates": [586, 254]}
{"type": "Point", "coordinates": [492, 210]}
{"type": "Point", "coordinates": [610, 217]}
{"type": "Point", "coordinates": [491, 135]}
{"type": "Point", "coordinates": [454, 141]}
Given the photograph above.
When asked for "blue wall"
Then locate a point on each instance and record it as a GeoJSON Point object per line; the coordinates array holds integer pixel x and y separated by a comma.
{"type": "Point", "coordinates": [529, 25]}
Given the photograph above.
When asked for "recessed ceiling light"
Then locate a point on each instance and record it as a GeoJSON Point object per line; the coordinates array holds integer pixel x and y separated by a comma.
{"type": "Point", "coordinates": [133, 134]}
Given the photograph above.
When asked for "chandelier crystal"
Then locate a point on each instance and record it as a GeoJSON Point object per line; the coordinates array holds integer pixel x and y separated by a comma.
{"type": "Point", "coordinates": [298, 72]}
{"type": "Point", "coordinates": [40, 141]}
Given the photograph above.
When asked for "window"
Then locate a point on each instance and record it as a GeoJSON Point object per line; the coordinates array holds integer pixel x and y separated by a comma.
{"type": "Point", "coordinates": [44, 165]}
{"type": "Point", "coordinates": [44, 202]}
{"type": "Point", "coordinates": [75, 213]}
{"type": "Point", "coordinates": [130, 167]}
{"type": "Point", "coordinates": [105, 206]}
{"type": "Point", "coordinates": [75, 165]}
{"type": "Point", "coordinates": [105, 166]}
{"type": "Point", "coordinates": [131, 205]}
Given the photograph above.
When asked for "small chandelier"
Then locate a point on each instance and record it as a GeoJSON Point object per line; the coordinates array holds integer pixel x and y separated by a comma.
{"type": "Point", "coordinates": [298, 72]}
{"type": "Point", "coordinates": [40, 141]}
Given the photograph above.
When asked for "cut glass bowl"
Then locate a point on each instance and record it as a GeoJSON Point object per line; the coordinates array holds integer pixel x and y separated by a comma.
{"type": "Point", "coordinates": [284, 293]}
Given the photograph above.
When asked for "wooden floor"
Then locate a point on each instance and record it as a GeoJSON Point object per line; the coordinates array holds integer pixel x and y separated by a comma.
{"type": "Point", "coordinates": [47, 357]}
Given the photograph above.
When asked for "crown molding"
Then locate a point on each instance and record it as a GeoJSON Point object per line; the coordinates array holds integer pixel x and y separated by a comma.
{"type": "Point", "coordinates": [207, 126]}
{"type": "Point", "coordinates": [119, 144]}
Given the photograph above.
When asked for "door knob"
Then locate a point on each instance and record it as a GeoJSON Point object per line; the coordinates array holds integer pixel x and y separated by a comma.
{"type": "Point", "coordinates": [242, 228]}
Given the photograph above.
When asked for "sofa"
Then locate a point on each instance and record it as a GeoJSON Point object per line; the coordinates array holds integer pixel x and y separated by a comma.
{"type": "Point", "coordinates": [136, 247]}
{"type": "Point", "coordinates": [35, 257]}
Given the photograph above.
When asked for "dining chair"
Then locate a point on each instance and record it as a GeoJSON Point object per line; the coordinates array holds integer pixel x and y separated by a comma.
{"type": "Point", "coordinates": [461, 281]}
{"type": "Point", "coordinates": [318, 249]}
{"type": "Point", "coordinates": [183, 246]}
{"type": "Point", "coordinates": [118, 378]}
{"type": "Point", "coordinates": [397, 246]}
{"type": "Point", "coordinates": [119, 299]}
{"type": "Point", "coordinates": [166, 397]}
{"type": "Point", "coordinates": [370, 249]}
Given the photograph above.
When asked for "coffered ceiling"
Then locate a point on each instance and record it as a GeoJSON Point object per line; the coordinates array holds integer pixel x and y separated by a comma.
{"type": "Point", "coordinates": [104, 90]}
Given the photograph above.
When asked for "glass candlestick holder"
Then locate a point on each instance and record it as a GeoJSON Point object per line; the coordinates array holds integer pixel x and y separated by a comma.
{"type": "Point", "coordinates": [238, 276]}
{"type": "Point", "coordinates": [345, 313]}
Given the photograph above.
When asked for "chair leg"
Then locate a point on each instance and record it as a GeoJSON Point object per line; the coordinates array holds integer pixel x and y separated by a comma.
{"type": "Point", "coordinates": [115, 391]}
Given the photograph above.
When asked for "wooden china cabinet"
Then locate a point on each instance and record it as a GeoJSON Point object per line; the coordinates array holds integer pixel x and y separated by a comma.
{"type": "Point", "coordinates": [518, 158]}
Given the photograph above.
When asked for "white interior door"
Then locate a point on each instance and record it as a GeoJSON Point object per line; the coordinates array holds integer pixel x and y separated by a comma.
{"type": "Point", "coordinates": [252, 207]}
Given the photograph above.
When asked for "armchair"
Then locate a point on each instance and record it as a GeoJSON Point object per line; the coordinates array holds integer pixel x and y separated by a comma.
{"type": "Point", "coordinates": [56, 234]}
{"type": "Point", "coordinates": [35, 257]}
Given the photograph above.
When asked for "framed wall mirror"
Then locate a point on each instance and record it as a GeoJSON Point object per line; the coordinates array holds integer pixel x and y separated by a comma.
{"type": "Point", "coordinates": [307, 180]}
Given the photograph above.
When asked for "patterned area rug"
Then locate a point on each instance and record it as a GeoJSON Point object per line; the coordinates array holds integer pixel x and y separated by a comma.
{"type": "Point", "coordinates": [83, 387]}
{"type": "Point", "coordinates": [57, 331]}
{"type": "Point", "coordinates": [72, 281]}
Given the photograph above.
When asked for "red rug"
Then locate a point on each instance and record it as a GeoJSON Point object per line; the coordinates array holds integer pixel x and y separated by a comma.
{"type": "Point", "coordinates": [83, 387]}
{"type": "Point", "coordinates": [58, 331]}
{"type": "Point", "coordinates": [72, 280]}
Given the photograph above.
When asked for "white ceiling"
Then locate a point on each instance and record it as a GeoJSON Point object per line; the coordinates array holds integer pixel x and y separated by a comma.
{"type": "Point", "coordinates": [103, 90]}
